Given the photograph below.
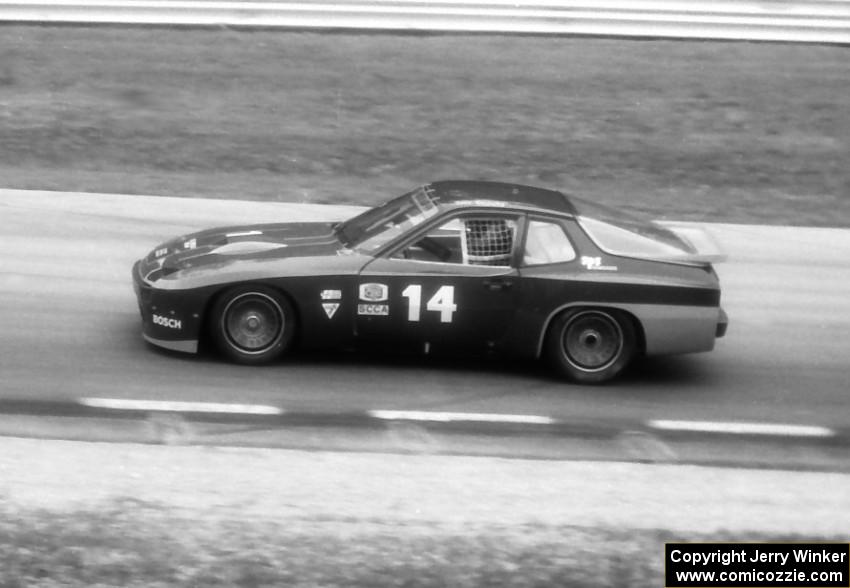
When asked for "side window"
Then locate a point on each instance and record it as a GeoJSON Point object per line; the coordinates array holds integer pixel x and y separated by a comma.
{"type": "Point", "coordinates": [469, 240]}
{"type": "Point", "coordinates": [489, 241]}
{"type": "Point", "coordinates": [547, 243]}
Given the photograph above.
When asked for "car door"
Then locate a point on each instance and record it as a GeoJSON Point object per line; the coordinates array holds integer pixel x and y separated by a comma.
{"type": "Point", "coordinates": [551, 273]}
{"type": "Point", "coordinates": [453, 286]}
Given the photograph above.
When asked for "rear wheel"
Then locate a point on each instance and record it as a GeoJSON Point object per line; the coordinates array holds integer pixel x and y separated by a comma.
{"type": "Point", "coordinates": [590, 346]}
{"type": "Point", "coordinates": [252, 324]}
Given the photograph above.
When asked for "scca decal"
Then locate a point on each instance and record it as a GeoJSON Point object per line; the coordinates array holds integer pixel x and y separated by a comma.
{"type": "Point", "coordinates": [373, 309]}
{"type": "Point", "coordinates": [168, 322]}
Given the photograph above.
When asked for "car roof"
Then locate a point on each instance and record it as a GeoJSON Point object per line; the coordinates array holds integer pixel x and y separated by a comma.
{"type": "Point", "coordinates": [451, 191]}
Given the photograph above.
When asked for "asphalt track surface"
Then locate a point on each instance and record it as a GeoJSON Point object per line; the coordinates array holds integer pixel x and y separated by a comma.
{"type": "Point", "coordinates": [69, 328]}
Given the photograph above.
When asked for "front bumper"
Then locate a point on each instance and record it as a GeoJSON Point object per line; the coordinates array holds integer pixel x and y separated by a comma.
{"type": "Point", "coordinates": [722, 324]}
{"type": "Point", "coordinates": [187, 346]}
{"type": "Point", "coordinates": [171, 319]}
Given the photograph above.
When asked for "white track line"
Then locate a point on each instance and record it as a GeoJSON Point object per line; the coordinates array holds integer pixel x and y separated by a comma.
{"type": "Point", "coordinates": [177, 406]}
{"type": "Point", "coordinates": [729, 428]}
{"type": "Point", "coordinates": [743, 428]}
{"type": "Point", "coordinates": [415, 415]}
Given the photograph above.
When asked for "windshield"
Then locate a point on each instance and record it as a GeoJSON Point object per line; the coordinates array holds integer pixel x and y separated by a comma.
{"type": "Point", "coordinates": [620, 233]}
{"type": "Point", "coordinates": [370, 230]}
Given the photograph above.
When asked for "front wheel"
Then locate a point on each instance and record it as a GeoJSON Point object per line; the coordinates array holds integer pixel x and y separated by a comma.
{"type": "Point", "coordinates": [252, 324]}
{"type": "Point", "coordinates": [590, 346]}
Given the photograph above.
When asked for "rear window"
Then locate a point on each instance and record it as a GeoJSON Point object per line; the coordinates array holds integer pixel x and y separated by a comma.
{"type": "Point", "coordinates": [618, 240]}
{"type": "Point", "coordinates": [620, 233]}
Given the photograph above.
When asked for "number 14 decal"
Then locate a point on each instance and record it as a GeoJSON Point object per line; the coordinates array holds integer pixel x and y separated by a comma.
{"type": "Point", "coordinates": [443, 302]}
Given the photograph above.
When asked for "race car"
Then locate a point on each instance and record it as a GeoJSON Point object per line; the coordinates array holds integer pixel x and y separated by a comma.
{"type": "Point", "coordinates": [459, 267]}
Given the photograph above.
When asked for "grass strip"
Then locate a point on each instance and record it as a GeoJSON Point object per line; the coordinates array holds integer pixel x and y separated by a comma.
{"type": "Point", "coordinates": [133, 543]}
{"type": "Point", "coordinates": [739, 132]}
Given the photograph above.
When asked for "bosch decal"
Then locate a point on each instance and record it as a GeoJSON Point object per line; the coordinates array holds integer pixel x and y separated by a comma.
{"type": "Point", "coordinates": [167, 321]}
{"type": "Point", "coordinates": [374, 292]}
{"type": "Point", "coordinates": [373, 309]}
{"type": "Point", "coordinates": [331, 294]}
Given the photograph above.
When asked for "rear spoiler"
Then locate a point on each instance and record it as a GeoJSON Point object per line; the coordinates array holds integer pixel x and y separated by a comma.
{"type": "Point", "coordinates": [707, 248]}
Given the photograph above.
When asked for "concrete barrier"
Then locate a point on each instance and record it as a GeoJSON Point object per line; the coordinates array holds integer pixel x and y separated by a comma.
{"type": "Point", "coordinates": [809, 21]}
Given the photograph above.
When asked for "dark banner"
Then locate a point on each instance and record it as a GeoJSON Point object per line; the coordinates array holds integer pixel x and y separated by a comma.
{"type": "Point", "coordinates": [758, 565]}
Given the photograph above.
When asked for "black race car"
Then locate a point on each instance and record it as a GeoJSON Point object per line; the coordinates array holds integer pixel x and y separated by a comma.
{"type": "Point", "coordinates": [454, 266]}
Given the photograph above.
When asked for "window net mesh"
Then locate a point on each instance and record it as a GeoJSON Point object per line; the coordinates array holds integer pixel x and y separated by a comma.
{"type": "Point", "coordinates": [489, 241]}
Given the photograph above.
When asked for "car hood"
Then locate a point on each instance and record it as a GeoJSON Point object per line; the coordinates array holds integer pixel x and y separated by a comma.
{"type": "Point", "coordinates": [222, 245]}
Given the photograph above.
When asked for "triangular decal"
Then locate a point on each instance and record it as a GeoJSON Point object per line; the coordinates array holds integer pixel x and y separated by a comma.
{"type": "Point", "coordinates": [330, 308]}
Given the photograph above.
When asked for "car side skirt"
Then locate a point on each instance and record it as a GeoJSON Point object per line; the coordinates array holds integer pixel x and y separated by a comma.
{"type": "Point", "coordinates": [185, 346]}
{"type": "Point", "coordinates": [668, 329]}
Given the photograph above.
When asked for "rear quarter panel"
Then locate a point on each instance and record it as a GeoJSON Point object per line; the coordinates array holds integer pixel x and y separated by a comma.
{"type": "Point", "coordinates": [676, 306]}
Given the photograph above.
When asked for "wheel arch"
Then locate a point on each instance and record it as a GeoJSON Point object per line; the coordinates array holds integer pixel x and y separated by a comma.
{"type": "Point", "coordinates": [545, 332]}
{"type": "Point", "coordinates": [206, 341]}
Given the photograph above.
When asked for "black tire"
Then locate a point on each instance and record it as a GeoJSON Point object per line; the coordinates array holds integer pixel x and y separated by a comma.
{"type": "Point", "coordinates": [252, 324]}
{"type": "Point", "coordinates": [591, 345]}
